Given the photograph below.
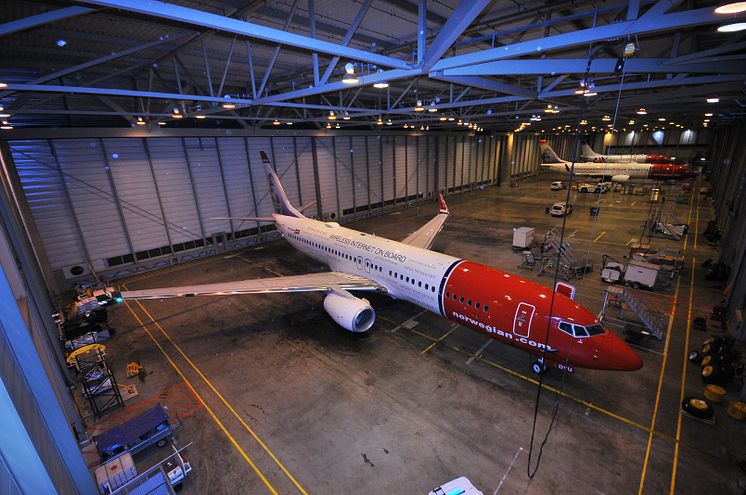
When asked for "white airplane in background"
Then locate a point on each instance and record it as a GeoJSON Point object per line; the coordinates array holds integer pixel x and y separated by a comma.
{"type": "Point", "coordinates": [587, 154]}
{"type": "Point", "coordinates": [500, 305]}
{"type": "Point", "coordinates": [616, 172]}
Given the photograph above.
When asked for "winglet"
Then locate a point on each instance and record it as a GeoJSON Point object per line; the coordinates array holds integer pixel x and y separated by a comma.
{"type": "Point", "coordinates": [442, 203]}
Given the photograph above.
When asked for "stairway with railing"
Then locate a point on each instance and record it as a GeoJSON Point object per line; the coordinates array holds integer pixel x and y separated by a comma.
{"type": "Point", "coordinates": [655, 321]}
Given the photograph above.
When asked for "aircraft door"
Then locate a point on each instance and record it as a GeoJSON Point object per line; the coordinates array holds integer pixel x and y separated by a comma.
{"type": "Point", "coordinates": [524, 313]}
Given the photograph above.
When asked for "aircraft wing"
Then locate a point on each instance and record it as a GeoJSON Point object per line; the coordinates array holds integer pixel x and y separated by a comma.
{"type": "Point", "coordinates": [311, 282]}
{"type": "Point", "coordinates": [425, 235]}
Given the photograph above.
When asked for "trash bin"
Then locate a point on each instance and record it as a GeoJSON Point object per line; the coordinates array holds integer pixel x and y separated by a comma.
{"type": "Point", "coordinates": [594, 211]}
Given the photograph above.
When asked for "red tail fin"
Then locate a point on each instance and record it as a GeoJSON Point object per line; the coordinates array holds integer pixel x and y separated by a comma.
{"type": "Point", "coordinates": [442, 203]}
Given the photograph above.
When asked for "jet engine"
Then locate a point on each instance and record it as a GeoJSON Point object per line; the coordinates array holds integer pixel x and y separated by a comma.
{"type": "Point", "coordinates": [619, 178]}
{"type": "Point", "coordinates": [350, 312]}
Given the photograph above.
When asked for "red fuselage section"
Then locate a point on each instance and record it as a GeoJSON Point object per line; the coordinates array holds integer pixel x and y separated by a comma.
{"type": "Point", "coordinates": [517, 312]}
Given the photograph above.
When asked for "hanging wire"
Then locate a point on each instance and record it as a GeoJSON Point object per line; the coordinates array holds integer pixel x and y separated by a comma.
{"type": "Point", "coordinates": [560, 391]}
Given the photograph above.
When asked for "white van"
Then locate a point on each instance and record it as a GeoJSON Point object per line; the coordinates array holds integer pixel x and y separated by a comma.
{"type": "Point", "coordinates": [557, 185]}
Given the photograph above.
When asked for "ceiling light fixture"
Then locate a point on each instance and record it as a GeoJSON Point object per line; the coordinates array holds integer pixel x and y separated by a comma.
{"type": "Point", "coordinates": [713, 99]}
{"type": "Point", "coordinates": [201, 116]}
{"type": "Point", "coordinates": [379, 121]}
{"type": "Point", "coordinates": [346, 116]}
{"type": "Point", "coordinates": [443, 118]}
{"type": "Point", "coordinates": [708, 115]}
{"type": "Point", "coordinates": [418, 107]}
{"type": "Point", "coordinates": [731, 8]}
{"type": "Point", "coordinates": [331, 115]}
{"type": "Point", "coordinates": [350, 77]}
{"type": "Point", "coordinates": [176, 114]}
{"type": "Point", "coordinates": [388, 122]}
{"type": "Point", "coordinates": [732, 28]}
{"type": "Point", "coordinates": [140, 121]}
{"type": "Point", "coordinates": [606, 118]}
{"type": "Point", "coordinates": [276, 122]}
{"type": "Point", "coordinates": [642, 111]}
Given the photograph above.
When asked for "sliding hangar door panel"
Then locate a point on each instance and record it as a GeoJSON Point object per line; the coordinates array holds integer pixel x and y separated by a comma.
{"type": "Point", "coordinates": [119, 204]}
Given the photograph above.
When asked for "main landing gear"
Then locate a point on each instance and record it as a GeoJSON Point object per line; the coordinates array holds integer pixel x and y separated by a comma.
{"type": "Point", "coordinates": [539, 366]}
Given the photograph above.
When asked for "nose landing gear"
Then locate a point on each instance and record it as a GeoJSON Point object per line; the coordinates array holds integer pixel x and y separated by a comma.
{"type": "Point", "coordinates": [539, 366]}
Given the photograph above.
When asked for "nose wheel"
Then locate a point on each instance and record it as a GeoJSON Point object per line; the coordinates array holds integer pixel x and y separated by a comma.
{"type": "Point", "coordinates": [539, 366]}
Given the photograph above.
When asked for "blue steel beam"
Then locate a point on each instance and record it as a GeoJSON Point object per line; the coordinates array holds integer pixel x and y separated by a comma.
{"type": "Point", "coordinates": [457, 22]}
{"type": "Point", "coordinates": [48, 88]}
{"type": "Point", "coordinates": [488, 84]}
{"type": "Point", "coordinates": [99, 61]}
{"type": "Point", "coordinates": [225, 24]}
{"type": "Point", "coordinates": [346, 40]}
{"type": "Point", "coordinates": [41, 19]}
{"type": "Point", "coordinates": [388, 75]}
{"type": "Point", "coordinates": [645, 24]}
{"type": "Point", "coordinates": [598, 65]}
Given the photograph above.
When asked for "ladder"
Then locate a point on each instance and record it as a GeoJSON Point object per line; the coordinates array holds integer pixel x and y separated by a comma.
{"type": "Point", "coordinates": [655, 321]}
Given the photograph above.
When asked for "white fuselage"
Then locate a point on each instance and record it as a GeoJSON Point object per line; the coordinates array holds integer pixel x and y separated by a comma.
{"type": "Point", "coordinates": [640, 158]}
{"type": "Point", "coordinates": [410, 273]}
{"type": "Point", "coordinates": [632, 170]}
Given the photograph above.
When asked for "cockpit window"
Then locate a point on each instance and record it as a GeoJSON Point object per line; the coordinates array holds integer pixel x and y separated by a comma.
{"type": "Point", "coordinates": [566, 327]}
{"type": "Point", "coordinates": [580, 331]}
{"type": "Point", "coordinates": [596, 329]}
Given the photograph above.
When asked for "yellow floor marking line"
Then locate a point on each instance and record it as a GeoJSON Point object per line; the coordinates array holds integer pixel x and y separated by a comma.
{"type": "Point", "coordinates": [686, 353]}
{"type": "Point", "coordinates": [453, 327]}
{"type": "Point", "coordinates": [207, 408]}
{"type": "Point", "coordinates": [599, 236]}
{"type": "Point", "coordinates": [663, 367]}
{"type": "Point", "coordinates": [225, 402]}
{"type": "Point", "coordinates": [259, 265]}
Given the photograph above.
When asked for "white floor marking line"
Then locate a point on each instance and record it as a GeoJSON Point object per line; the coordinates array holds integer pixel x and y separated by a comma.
{"type": "Point", "coordinates": [407, 321]}
{"type": "Point", "coordinates": [478, 354]}
{"type": "Point", "coordinates": [573, 233]}
{"type": "Point", "coordinates": [518, 452]}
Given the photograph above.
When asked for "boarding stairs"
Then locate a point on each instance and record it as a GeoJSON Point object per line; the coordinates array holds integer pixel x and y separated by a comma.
{"type": "Point", "coordinates": [570, 266]}
{"type": "Point", "coordinates": [655, 321]}
{"type": "Point", "coordinates": [666, 222]}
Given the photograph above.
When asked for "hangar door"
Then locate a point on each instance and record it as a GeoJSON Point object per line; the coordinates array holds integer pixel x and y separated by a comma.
{"type": "Point", "coordinates": [112, 203]}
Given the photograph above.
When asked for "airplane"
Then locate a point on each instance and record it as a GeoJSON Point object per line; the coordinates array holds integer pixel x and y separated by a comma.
{"type": "Point", "coordinates": [616, 172]}
{"type": "Point", "coordinates": [500, 305]}
{"type": "Point", "coordinates": [587, 154]}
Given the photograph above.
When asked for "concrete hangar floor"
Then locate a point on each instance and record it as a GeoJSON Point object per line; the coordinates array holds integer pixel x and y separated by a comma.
{"type": "Point", "coordinates": [276, 397]}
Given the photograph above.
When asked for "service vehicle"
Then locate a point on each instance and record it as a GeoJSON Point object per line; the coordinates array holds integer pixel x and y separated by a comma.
{"type": "Point", "coordinates": [560, 209]}
{"type": "Point", "coordinates": [459, 486]}
{"type": "Point", "coordinates": [557, 185]}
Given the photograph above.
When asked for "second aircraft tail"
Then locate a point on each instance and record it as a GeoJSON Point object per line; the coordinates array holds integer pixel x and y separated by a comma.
{"type": "Point", "coordinates": [547, 153]}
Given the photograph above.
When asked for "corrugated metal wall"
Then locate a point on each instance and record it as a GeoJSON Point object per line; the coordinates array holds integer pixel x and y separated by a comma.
{"type": "Point", "coordinates": [118, 204]}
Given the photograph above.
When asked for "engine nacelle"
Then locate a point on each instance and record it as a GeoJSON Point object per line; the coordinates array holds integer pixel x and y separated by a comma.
{"type": "Point", "coordinates": [350, 312]}
{"type": "Point", "coordinates": [619, 178]}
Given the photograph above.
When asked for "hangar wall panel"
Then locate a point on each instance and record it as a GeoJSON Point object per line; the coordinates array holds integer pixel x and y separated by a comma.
{"type": "Point", "coordinates": [176, 191]}
{"type": "Point", "coordinates": [131, 174]}
{"type": "Point", "coordinates": [132, 203]}
{"type": "Point", "coordinates": [307, 175]}
{"type": "Point", "coordinates": [94, 205]}
{"type": "Point", "coordinates": [45, 194]}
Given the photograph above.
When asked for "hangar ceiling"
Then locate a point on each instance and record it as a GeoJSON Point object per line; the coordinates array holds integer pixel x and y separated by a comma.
{"type": "Point", "coordinates": [276, 64]}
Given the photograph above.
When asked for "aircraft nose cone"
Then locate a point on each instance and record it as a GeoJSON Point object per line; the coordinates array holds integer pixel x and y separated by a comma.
{"type": "Point", "coordinates": [622, 357]}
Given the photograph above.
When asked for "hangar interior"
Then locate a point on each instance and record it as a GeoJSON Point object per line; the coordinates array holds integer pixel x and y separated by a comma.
{"type": "Point", "coordinates": [132, 144]}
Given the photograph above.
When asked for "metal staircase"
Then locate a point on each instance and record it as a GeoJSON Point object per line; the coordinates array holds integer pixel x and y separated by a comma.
{"type": "Point", "coordinates": [569, 266]}
{"type": "Point", "coordinates": [655, 321]}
